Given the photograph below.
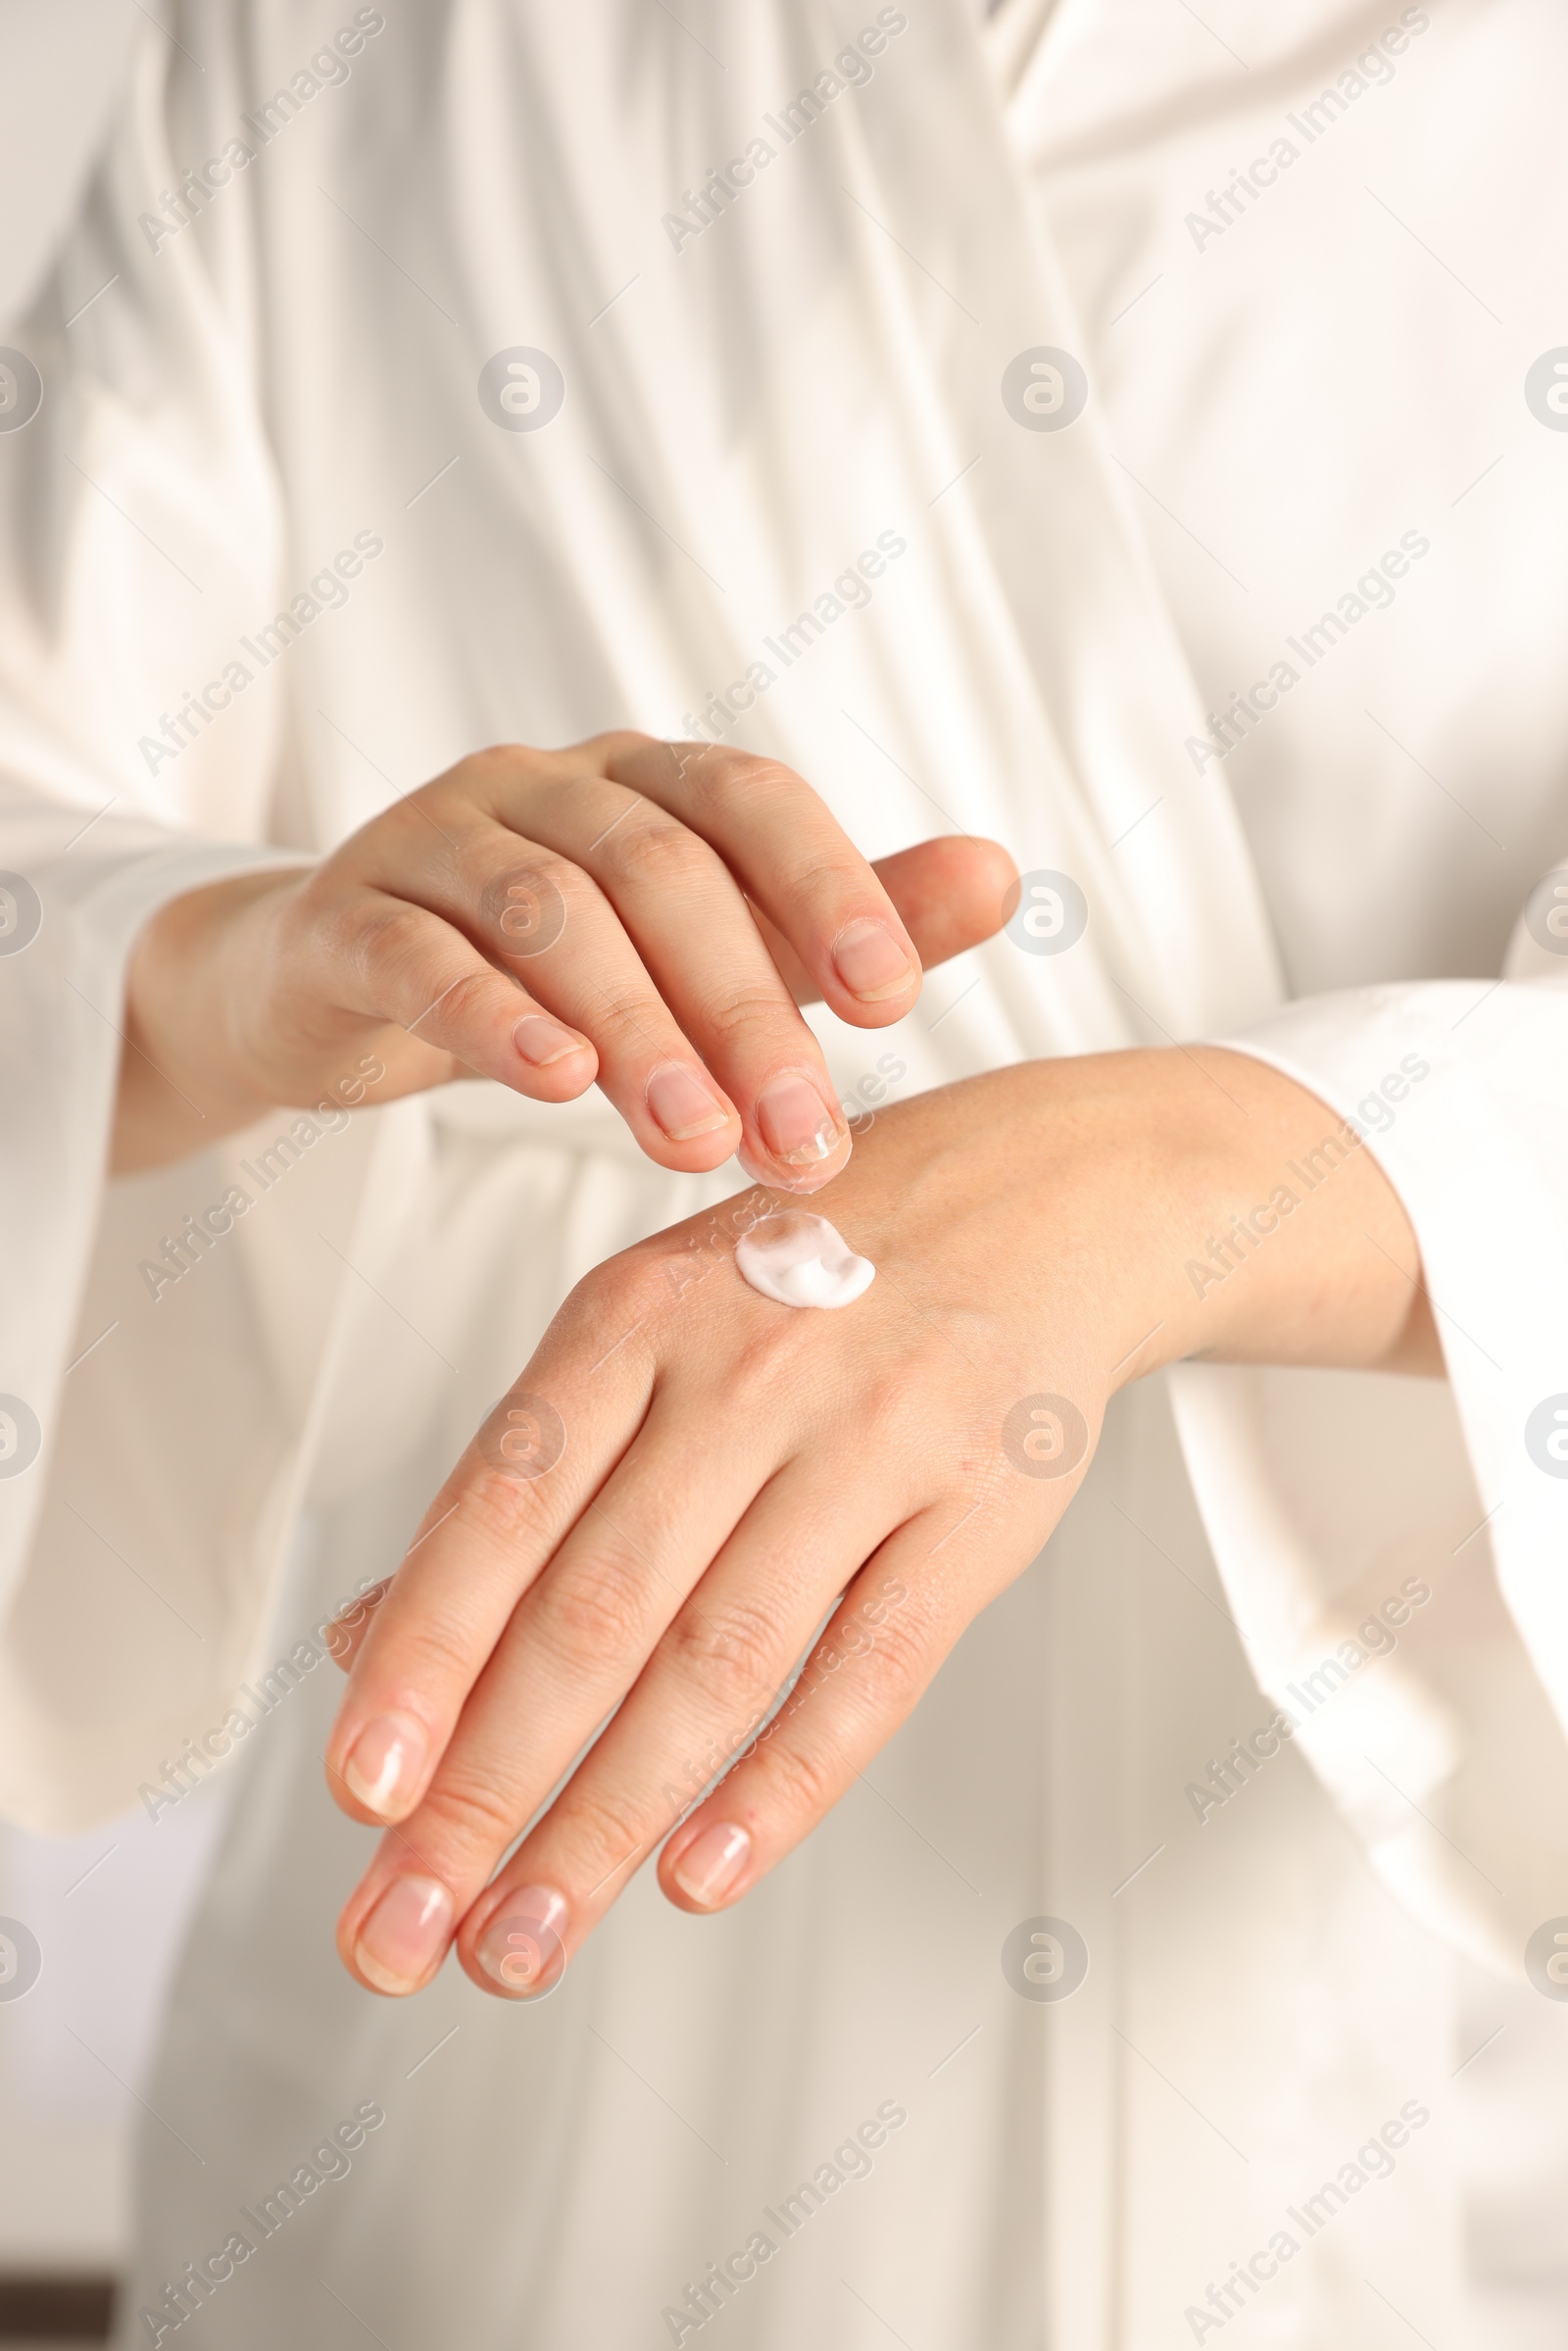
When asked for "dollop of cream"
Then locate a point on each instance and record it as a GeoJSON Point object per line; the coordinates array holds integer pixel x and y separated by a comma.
{"type": "Point", "coordinates": [802, 1260]}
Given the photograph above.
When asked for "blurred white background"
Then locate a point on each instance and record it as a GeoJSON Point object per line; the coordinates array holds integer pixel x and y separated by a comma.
{"type": "Point", "coordinates": [109, 1911]}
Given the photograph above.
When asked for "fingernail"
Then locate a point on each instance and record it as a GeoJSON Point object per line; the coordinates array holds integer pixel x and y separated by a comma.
{"type": "Point", "coordinates": [405, 1934]}
{"type": "Point", "coordinates": [869, 960]}
{"type": "Point", "coordinates": [711, 1863]}
{"type": "Point", "coordinates": [796, 1123]}
{"type": "Point", "coordinates": [682, 1104]}
{"type": "Point", "coordinates": [382, 1767]}
{"type": "Point", "coordinates": [541, 1040]}
{"type": "Point", "coordinates": [520, 1949]}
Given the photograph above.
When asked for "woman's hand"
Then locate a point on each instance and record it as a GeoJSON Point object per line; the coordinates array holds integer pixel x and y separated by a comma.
{"type": "Point", "coordinates": [688, 1478]}
{"type": "Point", "coordinates": [645, 914]}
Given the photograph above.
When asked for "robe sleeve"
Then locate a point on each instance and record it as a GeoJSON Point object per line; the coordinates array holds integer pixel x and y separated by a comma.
{"type": "Point", "coordinates": [1395, 1550]}
{"type": "Point", "coordinates": [140, 538]}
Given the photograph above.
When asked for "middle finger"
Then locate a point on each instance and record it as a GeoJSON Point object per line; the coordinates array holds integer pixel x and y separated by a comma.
{"type": "Point", "coordinates": [689, 921]}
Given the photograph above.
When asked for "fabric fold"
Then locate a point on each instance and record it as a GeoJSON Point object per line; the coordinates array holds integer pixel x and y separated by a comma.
{"type": "Point", "coordinates": [1330, 1497]}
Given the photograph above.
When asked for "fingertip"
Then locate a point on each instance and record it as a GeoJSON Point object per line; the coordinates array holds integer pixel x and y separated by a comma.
{"type": "Point", "coordinates": [860, 1015]}
{"type": "Point", "coordinates": [874, 962]}
{"type": "Point", "coordinates": [708, 1866]}
{"type": "Point", "coordinates": [691, 1114]}
{"type": "Point", "coordinates": [348, 1803]}
{"type": "Point", "coordinates": [1001, 859]}
{"type": "Point", "coordinates": [342, 1644]}
{"type": "Point", "coordinates": [547, 1047]}
{"type": "Point", "coordinates": [951, 893]}
{"type": "Point", "coordinates": [396, 1943]}
{"type": "Point", "coordinates": [515, 1946]}
{"type": "Point", "coordinates": [704, 1153]}
{"type": "Point", "coordinates": [384, 1764]}
{"type": "Point", "coordinates": [799, 1182]}
{"type": "Point", "coordinates": [991, 895]}
{"type": "Point", "coordinates": [344, 1797]}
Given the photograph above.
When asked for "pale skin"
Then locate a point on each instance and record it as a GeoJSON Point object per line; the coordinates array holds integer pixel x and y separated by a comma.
{"type": "Point", "coordinates": [662, 1523]}
{"type": "Point", "coordinates": [640, 913]}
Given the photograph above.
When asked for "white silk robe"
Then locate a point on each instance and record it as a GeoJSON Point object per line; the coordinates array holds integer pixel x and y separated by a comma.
{"type": "Point", "coordinates": [1304, 395]}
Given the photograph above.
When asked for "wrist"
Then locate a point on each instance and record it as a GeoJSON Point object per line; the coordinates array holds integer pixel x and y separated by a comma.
{"type": "Point", "coordinates": [187, 1076]}
{"type": "Point", "coordinates": [1280, 1238]}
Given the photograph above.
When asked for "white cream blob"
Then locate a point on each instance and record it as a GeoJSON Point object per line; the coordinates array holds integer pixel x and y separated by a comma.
{"type": "Point", "coordinates": [802, 1260]}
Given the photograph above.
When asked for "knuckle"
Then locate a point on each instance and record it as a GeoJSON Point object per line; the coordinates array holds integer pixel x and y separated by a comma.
{"type": "Point", "coordinates": [630, 1026]}
{"type": "Point", "coordinates": [433, 1657]}
{"type": "Point", "coordinates": [894, 1661]}
{"type": "Point", "coordinates": [326, 928]}
{"type": "Point", "coordinates": [734, 1657]}
{"type": "Point", "coordinates": [388, 939]}
{"type": "Point", "coordinates": [738, 1007]}
{"type": "Point", "coordinates": [732, 778]}
{"type": "Point", "coordinates": [609, 1830]}
{"type": "Point", "coordinates": [890, 1410]}
{"type": "Point", "coordinates": [548, 866]}
{"type": "Point", "coordinates": [618, 743]}
{"type": "Point", "coordinates": [469, 1811]}
{"type": "Point", "coordinates": [501, 1510]}
{"type": "Point", "coordinates": [610, 1298]}
{"type": "Point", "coordinates": [460, 1002]}
{"type": "Point", "coordinates": [804, 1777]}
{"type": "Point", "coordinates": [504, 766]}
{"type": "Point", "coordinates": [769, 1359]}
{"type": "Point", "coordinates": [328, 900]}
{"type": "Point", "coordinates": [656, 852]}
{"type": "Point", "coordinates": [597, 1298]}
{"type": "Point", "coordinates": [828, 878]}
{"type": "Point", "coordinates": [549, 877]}
{"type": "Point", "coordinates": [411, 814]}
{"type": "Point", "coordinates": [595, 1609]}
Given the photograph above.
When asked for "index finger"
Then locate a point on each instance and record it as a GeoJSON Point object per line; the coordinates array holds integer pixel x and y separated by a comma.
{"type": "Point", "coordinates": [793, 859]}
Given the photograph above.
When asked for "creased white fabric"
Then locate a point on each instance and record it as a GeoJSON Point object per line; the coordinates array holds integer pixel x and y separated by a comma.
{"type": "Point", "coordinates": [745, 411]}
{"type": "Point", "coordinates": [67, 68]}
{"type": "Point", "coordinates": [973, 662]}
{"type": "Point", "coordinates": [1447, 1083]}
